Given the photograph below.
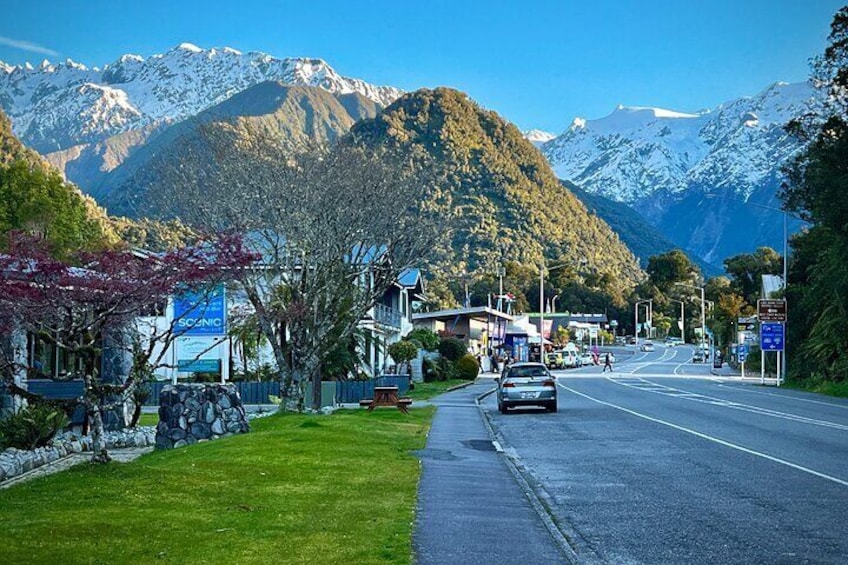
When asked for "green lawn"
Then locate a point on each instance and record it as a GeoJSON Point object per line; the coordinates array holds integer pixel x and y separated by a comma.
{"type": "Point", "coordinates": [298, 489]}
{"type": "Point", "coordinates": [423, 391]}
{"type": "Point", "coordinates": [148, 419]}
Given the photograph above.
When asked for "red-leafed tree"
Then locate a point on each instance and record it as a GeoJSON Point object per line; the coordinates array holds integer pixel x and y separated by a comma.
{"type": "Point", "coordinates": [88, 307]}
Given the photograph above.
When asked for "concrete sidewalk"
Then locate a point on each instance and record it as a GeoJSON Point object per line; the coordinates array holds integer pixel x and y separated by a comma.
{"type": "Point", "coordinates": [471, 508]}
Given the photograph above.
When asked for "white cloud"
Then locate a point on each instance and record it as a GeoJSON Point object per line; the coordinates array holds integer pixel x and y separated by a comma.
{"type": "Point", "coordinates": [26, 46]}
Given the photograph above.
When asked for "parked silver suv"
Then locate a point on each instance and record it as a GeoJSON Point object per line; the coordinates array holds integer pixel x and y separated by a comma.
{"type": "Point", "coordinates": [527, 384]}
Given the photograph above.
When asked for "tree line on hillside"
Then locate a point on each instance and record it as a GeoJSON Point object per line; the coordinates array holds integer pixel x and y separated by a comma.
{"type": "Point", "coordinates": [817, 189]}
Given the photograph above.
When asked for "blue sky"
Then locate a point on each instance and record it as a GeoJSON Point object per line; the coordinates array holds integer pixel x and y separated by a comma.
{"type": "Point", "coordinates": [537, 63]}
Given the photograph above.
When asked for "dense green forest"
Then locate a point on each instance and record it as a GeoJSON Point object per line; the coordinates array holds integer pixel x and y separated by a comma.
{"type": "Point", "coordinates": [502, 204]}
{"type": "Point", "coordinates": [818, 191]}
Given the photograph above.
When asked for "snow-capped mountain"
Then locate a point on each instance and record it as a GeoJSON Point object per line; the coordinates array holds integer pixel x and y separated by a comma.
{"type": "Point", "coordinates": [664, 163]}
{"type": "Point", "coordinates": [56, 106]}
{"type": "Point", "coordinates": [537, 137]}
{"type": "Point", "coordinates": [636, 152]}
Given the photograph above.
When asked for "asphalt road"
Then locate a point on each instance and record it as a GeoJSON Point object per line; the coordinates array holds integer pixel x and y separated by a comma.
{"type": "Point", "coordinates": [660, 462]}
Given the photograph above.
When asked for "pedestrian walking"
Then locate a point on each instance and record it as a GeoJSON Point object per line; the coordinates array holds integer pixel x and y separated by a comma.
{"type": "Point", "coordinates": [607, 363]}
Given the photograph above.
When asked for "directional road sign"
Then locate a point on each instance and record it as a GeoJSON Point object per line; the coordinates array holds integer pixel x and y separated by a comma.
{"type": "Point", "coordinates": [771, 337]}
{"type": "Point", "coordinates": [771, 310]}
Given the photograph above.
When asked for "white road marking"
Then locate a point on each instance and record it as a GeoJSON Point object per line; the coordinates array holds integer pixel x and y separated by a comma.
{"type": "Point", "coordinates": [789, 397]}
{"type": "Point", "coordinates": [713, 439]}
{"type": "Point", "coordinates": [642, 384]}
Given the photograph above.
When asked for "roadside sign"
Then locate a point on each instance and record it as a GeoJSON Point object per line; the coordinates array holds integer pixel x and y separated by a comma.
{"type": "Point", "coordinates": [746, 324]}
{"type": "Point", "coordinates": [771, 337]}
{"type": "Point", "coordinates": [771, 310]}
{"type": "Point", "coordinates": [742, 357]}
{"type": "Point", "coordinates": [742, 349]}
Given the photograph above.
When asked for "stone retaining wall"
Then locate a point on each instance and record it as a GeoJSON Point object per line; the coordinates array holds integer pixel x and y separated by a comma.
{"type": "Point", "coordinates": [189, 413]}
{"type": "Point", "coordinates": [14, 462]}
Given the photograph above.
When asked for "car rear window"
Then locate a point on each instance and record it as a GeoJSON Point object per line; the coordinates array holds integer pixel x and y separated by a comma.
{"type": "Point", "coordinates": [527, 372]}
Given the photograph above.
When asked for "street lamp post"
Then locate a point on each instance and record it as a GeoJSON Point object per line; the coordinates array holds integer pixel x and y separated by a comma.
{"type": "Point", "coordinates": [682, 324]}
{"type": "Point", "coordinates": [649, 316]}
{"type": "Point", "coordinates": [703, 311]}
{"type": "Point", "coordinates": [542, 303]}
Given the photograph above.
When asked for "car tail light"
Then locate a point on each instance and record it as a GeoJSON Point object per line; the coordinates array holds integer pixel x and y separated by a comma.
{"type": "Point", "coordinates": [549, 383]}
{"type": "Point", "coordinates": [509, 385]}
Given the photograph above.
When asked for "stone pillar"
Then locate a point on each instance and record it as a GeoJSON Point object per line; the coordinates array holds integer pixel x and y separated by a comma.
{"type": "Point", "coordinates": [189, 413]}
{"type": "Point", "coordinates": [115, 364]}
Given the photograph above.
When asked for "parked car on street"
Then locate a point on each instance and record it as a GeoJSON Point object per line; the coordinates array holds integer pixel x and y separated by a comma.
{"type": "Point", "coordinates": [647, 346]}
{"type": "Point", "coordinates": [587, 359]}
{"type": "Point", "coordinates": [555, 359]}
{"type": "Point", "coordinates": [527, 384]}
{"type": "Point", "coordinates": [570, 358]}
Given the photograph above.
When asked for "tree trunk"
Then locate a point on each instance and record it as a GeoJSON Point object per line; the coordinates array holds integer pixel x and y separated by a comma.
{"type": "Point", "coordinates": [316, 391]}
{"type": "Point", "coordinates": [95, 418]}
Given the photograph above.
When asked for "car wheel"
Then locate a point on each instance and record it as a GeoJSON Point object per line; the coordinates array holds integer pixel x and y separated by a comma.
{"type": "Point", "coordinates": [502, 408]}
{"type": "Point", "coordinates": [551, 407]}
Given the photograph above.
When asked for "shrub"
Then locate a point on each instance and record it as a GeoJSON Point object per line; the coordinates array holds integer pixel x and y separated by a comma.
{"type": "Point", "coordinates": [32, 427]}
{"type": "Point", "coordinates": [447, 369]}
{"type": "Point", "coordinates": [403, 352]}
{"type": "Point", "coordinates": [467, 367]}
{"type": "Point", "coordinates": [452, 348]}
{"type": "Point", "coordinates": [429, 340]}
{"type": "Point", "coordinates": [431, 370]}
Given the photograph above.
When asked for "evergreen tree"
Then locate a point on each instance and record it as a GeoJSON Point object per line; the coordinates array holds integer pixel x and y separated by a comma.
{"type": "Point", "coordinates": [817, 189]}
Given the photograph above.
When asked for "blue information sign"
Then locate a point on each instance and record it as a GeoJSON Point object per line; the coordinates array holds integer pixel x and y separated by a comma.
{"type": "Point", "coordinates": [201, 313]}
{"type": "Point", "coordinates": [771, 337]}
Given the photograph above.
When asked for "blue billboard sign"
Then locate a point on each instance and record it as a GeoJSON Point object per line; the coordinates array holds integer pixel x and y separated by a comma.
{"type": "Point", "coordinates": [771, 337]}
{"type": "Point", "coordinates": [201, 313]}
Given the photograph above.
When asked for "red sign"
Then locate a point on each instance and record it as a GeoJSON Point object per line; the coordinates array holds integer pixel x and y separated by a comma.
{"type": "Point", "coordinates": [771, 310]}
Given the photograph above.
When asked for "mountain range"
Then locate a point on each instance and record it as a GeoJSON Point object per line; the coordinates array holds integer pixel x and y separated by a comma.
{"type": "Point", "coordinates": [702, 181]}
{"type": "Point", "coordinates": [702, 178]}
{"type": "Point", "coordinates": [58, 106]}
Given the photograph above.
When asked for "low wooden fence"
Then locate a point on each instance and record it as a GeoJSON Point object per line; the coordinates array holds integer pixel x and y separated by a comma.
{"type": "Point", "coordinates": [251, 392]}
{"type": "Point", "coordinates": [258, 392]}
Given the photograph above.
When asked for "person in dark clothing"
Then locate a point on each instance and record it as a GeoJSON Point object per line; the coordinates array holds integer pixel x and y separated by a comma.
{"type": "Point", "coordinates": [607, 363]}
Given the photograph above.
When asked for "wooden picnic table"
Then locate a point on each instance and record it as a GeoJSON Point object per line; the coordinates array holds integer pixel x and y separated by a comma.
{"type": "Point", "coordinates": [386, 396]}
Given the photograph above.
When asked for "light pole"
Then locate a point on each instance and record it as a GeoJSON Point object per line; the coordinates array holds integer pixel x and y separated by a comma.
{"type": "Point", "coordinates": [542, 303]}
{"type": "Point", "coordinates": [501, 273]}
{"type": "Point", "coordinates": [682, 324]}
{"type": "Point", "coordinates": [648, 316]}
{"type": "Point", "coordinates": [703, 312]}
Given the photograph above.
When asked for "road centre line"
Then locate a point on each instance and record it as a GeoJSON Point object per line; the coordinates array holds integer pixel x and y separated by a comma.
{"type": "Point", "coordinates": [712, 439]}
{"type": "Point", "coordinates": [672, 392]}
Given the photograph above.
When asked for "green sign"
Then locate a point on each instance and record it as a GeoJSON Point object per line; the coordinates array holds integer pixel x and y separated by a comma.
{"type": "Point", "coordinates": [199, 366]}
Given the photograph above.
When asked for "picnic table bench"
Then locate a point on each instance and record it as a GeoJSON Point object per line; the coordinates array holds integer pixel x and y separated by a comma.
{"type": "Point", "coordinates": [386, 396]}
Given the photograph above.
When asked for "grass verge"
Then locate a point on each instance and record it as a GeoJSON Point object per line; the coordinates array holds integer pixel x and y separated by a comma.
{"type": "Point", "coordinates": [829, 388]}
{"type": "Point", "coordinates": [424, 391]}
{"type": "Point", "coordinates": [298, 489]}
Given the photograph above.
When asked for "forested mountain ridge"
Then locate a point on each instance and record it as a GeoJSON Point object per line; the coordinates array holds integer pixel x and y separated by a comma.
{"type": "Point", "coordinates": [506, 202]}
{"type": "Point", "coordinates": [291, 116]}
{"type": "Point", "coordinates": [643, 239]}
{"type": "Point", "coordinates": [34, 198]}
